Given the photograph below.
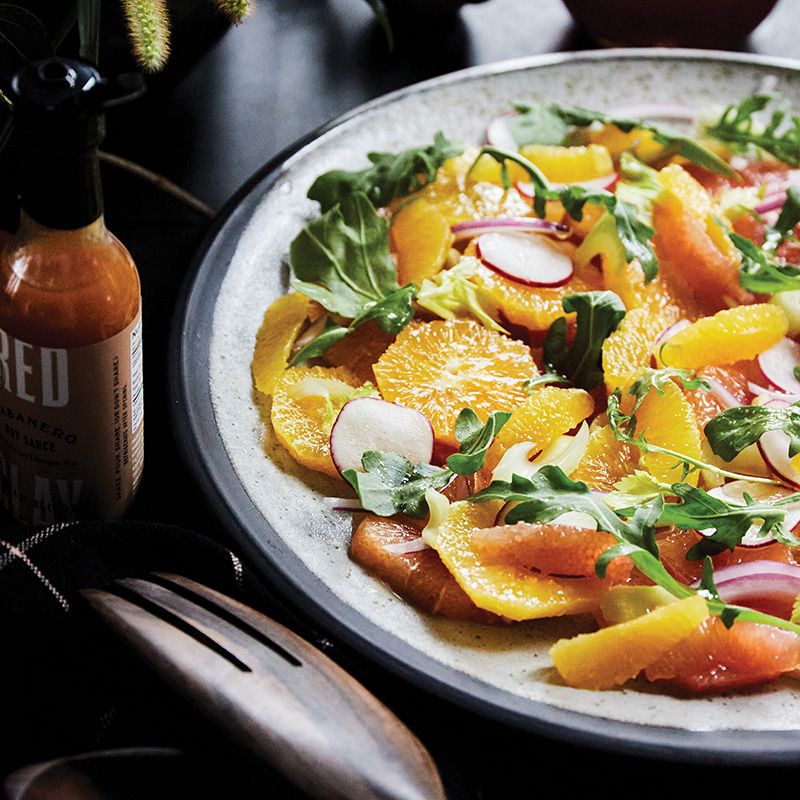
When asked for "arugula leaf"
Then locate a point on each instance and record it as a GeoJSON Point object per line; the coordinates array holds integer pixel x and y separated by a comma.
{"type": "Point", "coordinates": [535, 123]}
{"type": "Point", "coordinates": [639, 186]}
{"type": "Point", "coordinates": [633, 234]}
{"type": "Point", "coordinates": [598, 314]}
{"type": "Point", "coordinates": [475, 438]}
{"type": "Point", "coordinates": [780, 136]}
{"type": "Point", "coordinates": [737, 428]}
{"type": "Point", "coordinates": [786, 222]}
{"type": "Point", "coordinates": [727, 521]}
{"type": "Point", "coordinates": [550, 493]}
{"type": "Point", "coordinates": [675, 142]}
{"type": "Point", "coordinates": [759, 272]}
{"type": "Point", "coordinates": [391, 484]}
{"type": "Point", "coordinates": [450, 294]}
{"type": "Point", "coordinates": [342, 261]}
{"type": "Point", "coordinates": [391, 175]}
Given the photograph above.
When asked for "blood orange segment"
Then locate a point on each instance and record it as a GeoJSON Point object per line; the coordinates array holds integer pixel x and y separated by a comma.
{"type": "Point", "coordinates": [283, 321]}
{"type": "Point", "coordinates": [420, 237]}
{"type": "Point", "coordinates": [731, 335]}
{"type": "Point", "coordinates": [606, 460]}
{"type": "Point", "coordinates": [668, 420]}
{"type": "Point", "coordinates": [553, 549]}
{"type": "Point", "coordinates": [549, 412]}
{"type": "Point", "coordinates": [569, 164]}
{"type": "Point", "coordinates": [509, 591]}
{"type": "Point", "coordinates": [611, 656]}
{"type": "Point", "coordinates": [532, 307]}
{"type": "Point", "coordinates": [418, 577]}
{"type": "Point", "coordinates": [716, 658]}
{"type": "Point", "coordinates": [305, 403]}
{"type": "Point", "coordinates": [627, 350]}
{"type": "Point", "coordinates": [694, 252]}
{"type": "Point", "coordinates": [441, 367]}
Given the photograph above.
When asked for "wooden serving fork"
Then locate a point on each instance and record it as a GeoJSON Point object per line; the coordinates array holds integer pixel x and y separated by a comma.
{"type": "Point", "coordinates": [284, 700]}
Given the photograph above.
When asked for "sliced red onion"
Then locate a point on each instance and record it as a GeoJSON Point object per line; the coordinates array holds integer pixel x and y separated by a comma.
{"type": "Point", "coordinates": [773, 582]}
{"type": "Point", "coordinates": [774, 447]}
{"type": "Point", "coordinates": [642, 111]}
{"type": "Point", "coordinates": [472, 228]}
{"type": "Point", "coordinates": [607, 182]}
{"type": "Point", "coordinates": [773, 394]}
{"type": "Point", "coordinates": [530, 260]}
{"type": "Point", "coordinates": [498, 134]}
{"type": "Point", "coordinates": [771, 203]}
{"type": "Point", "coordinates": [343, 503]}
{"type": "Point", "coordinates": [663, 336]}
{"type": "Point", "coordinates": [778, 363]}
{"type": "Point", "coordinates": [404, 548]}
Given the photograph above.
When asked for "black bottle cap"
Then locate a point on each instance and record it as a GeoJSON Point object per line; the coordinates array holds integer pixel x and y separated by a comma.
{"type": "Point", "coordinates": [59, 122]}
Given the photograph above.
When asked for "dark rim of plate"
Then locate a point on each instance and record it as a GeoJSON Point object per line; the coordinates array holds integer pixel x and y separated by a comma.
{"type": "Point", "coordinates": [205, 454]}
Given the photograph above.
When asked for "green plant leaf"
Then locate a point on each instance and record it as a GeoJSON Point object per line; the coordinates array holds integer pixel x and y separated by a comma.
{"type": "Point", "coordinates": [475, 439]}
{"type": "Point", "coordinates": [739, 126]}
{"type": "Point", "coordinates": [391, 175]}
{"type": "Point", "coordinates": [759, 272]}
{"type": "Point", "coordinates": [737, 428]}
{"type": "Point", "coordinates": [787, 220]}
{"type": "Point", "coordinates": [639, 187]}
{"type": "Point", "coordinates": [597, 315]}
{"type": "Point", "coordinates": [320, 344]}
{"type": "Point", "coordinates": [89, 29]}
{"type": "Point", "coordinates": [535, 123]}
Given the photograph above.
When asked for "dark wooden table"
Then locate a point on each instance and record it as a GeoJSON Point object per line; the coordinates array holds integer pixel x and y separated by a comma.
{"type": "Point", "coordinates": [207, 125]}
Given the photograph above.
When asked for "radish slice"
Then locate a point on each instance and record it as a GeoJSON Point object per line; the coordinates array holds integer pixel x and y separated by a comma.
{"type": "Point", "coordinates": [607, 182]}
{"type": "Point", "coordinates": [498, 134]}
{"type": "Point", "coordinates": [774, 447]}
{"type": "Point", "coordinates": [532, 260]}
{"type": "Point", "coordinates": [343, 503]}
{"type": "Point", "coordinates": [368, 423]}
{"type": "Point", "coordinates": [771, 394]}
{"type": "Point", "coordinates": [404, 548]}
{"type": "Point", "coordinates": [734, 493]}
{"type": "Point", "coordinates": [778, 363]}
{"type": "Point", "coordinates": [766, 585]}
{"type": "Point", "coordinates": [468, 230]}
{"type": "Point", "coordinates": [725, 397]}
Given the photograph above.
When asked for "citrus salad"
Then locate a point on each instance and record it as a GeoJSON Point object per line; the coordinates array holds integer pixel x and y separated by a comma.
{"type": "Point", "coordinates": [560, 374]}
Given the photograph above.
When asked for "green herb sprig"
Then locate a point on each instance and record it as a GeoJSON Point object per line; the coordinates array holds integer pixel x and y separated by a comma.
{"type": "Point", "coordinates": [390, 176]}
{"type": "Point", "coordinates": [391, 484]}
{"type": "Point", "coordinates": [734, 429]}
{"type": "Point", "coordinates": [597, 315]}
{"type": "Point", "coordinates": [780, 137]}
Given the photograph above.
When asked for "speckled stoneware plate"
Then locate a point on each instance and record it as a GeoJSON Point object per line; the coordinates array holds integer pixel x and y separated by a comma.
{"type": "Point", "coordinates": [275, 508]}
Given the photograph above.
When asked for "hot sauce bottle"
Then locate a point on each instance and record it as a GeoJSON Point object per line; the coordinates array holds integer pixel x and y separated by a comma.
{"type": "Point", "coordinates": [71, 395]}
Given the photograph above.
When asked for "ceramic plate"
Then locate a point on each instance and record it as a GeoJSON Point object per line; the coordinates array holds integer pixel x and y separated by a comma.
{"type": "Point", "coordinates": [275, 508]}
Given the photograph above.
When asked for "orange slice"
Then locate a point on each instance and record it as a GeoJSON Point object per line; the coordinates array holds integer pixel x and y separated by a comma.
{"type": "Point", "coordinates": [627, 350]}
{"type": "Point", "coordinates": [282, 323]}
{"type": "Point", "coordinates": [606, 460]}
{"type": "Point", "coordinates": [668, 420]}
{"type": "Point", "coordinates": [305, 403]}
{"type": "Point", "coordinates": [418, 577]}
{"type": "Point", "coordinates": [731, 335]}
{"type": "Point", "coordinates": [420, 237]}
{"type": "Point", "coordinates": [569, 164]}
{"type": "Point", "coordinates": [641, 143]}
{"type": "Point", "coordinates": [553, 549]}
{"type": "Point", "coordinates": [716, 658]}
{"type": "Point", "coordinates": [441, 367]}
{"type": "Point", "coordinates": [549, 412]}
{"type": "Point", "coordinates": [532, 307]}
{"type": "Point", "coordinates": [611, 656]}
{"type": "Point", "coordinates": [509, 591]}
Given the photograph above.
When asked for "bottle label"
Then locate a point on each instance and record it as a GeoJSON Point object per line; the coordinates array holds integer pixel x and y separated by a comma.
{"type": "Point", "coordinates": [71, 427]}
